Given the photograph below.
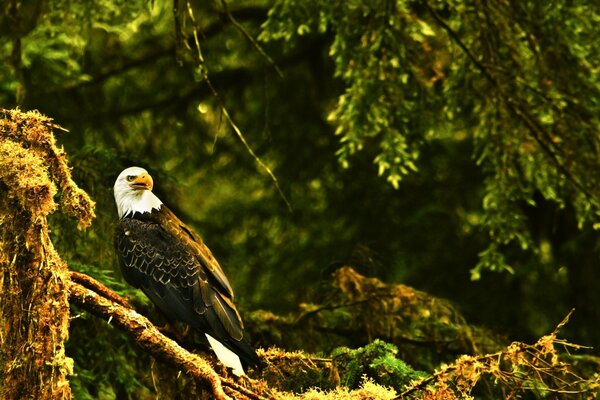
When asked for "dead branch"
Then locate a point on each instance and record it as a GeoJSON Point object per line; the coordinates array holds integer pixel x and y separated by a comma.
{"type": "Point", "coordinates": [512, 367]}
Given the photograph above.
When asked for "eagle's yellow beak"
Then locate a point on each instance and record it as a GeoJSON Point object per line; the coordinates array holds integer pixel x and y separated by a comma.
{"type": "Point", "coordinates": [143, 181]}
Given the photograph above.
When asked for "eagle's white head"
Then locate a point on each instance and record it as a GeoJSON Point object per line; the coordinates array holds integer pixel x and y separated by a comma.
{"type": "Point", "coordinates": [133, 192]}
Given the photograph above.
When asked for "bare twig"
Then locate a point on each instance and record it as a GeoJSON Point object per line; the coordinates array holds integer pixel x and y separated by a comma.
{"type": "Point", "coordinates": [564, 321]}
{"type": "Point", "coordinates": [330, 307]}
{"type": "Point", "coordinates": [254, 43]}
{"type": "Point", "coordinates": [203, 70]}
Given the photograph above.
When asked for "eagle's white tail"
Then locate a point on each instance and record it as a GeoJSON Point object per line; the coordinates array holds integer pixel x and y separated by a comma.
{"type": "Point", "coordinates": [226, 356]}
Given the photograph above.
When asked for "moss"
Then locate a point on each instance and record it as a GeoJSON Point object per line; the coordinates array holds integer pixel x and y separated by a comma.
{"type": "Point", "coordinates": [39, 161]}
{"type": "Point", "coordinates": [26, 179]}
{"type": "Point", "coordinates": [296, 372]}
{"type": "Point", "coordinates": [376, 360]}
{"type": "Point", "coordinates": [368, 390]}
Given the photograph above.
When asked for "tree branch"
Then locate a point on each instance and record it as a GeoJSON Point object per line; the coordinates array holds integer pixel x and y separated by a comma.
{"type": "Point", "coordinates": [513, 366]}
{"type": "Point", "coordinates": [146, 335]}
{"type": "Point", "coordinates": [90, 283]}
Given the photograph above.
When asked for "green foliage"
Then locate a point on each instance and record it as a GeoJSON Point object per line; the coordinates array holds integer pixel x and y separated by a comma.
{"type": "Point", "coordinates": [382, 92]}
{"type": "Point", "coordinates": [496, 68]}
{"type": "Point", "coordinates": [376, 360]}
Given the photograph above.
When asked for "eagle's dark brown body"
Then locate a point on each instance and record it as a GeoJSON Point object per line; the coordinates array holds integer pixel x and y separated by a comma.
{"type": "Point", "coordinates": [174, 268]}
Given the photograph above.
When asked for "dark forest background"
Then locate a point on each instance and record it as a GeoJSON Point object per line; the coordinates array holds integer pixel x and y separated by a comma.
{"type": "Point", "coordinates": [451, 146]}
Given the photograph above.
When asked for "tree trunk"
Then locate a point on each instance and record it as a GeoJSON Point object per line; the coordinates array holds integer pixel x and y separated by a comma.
{"type": "Point", "coordinates": [34, 308]}
{"type": "Point", "coordinates": [34, 313]}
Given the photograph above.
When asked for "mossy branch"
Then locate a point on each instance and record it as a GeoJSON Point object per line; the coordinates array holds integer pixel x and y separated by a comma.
{"type": "Point", "coordinates": [101, 301]}
{"type": "Point", "coordinates": [34, 310]}
{"type": "Point", "coordinates": [107, 305]}
{"type": "Point", "coordinates": [90, 283]}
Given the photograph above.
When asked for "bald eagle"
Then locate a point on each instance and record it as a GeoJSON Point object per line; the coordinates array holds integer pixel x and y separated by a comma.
{"type": "Point", "coordinates": [164, 258]}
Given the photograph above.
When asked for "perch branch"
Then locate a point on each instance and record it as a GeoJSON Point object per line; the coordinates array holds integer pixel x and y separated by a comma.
{"type": "Point", "coordinates": [145, 334]}
{"type": "Point", "coordinates": [235, 389]}
{"type": "Point", "coordinates": [90, 283]}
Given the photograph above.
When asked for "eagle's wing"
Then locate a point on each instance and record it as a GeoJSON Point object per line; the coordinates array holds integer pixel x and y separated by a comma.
{"type": "Point", "coordinates": [195, 244]}
{"type": "Point", "coordinates": [179, 275]}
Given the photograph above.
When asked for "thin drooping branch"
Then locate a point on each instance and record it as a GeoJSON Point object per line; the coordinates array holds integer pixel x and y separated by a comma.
{"type": "Point", "coordinates": [147, 336]}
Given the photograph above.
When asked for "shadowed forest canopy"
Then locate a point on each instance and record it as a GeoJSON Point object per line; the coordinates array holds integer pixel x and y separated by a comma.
{"type": "Point", "coordinates": [451, 146]}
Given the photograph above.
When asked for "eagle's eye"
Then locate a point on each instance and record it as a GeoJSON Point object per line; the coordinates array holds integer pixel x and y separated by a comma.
{"type": "Point", "coordinates": [130, 178]}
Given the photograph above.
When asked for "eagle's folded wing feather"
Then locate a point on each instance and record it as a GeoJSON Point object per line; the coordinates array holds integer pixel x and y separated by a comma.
{"type": "Point", "coordinates": [155, 260]}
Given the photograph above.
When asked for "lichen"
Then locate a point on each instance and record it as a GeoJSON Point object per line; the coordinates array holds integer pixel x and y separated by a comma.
{"type": "Point", "coordinates": [368, 390]}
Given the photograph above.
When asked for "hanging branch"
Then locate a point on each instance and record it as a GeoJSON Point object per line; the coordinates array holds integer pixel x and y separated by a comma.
{"type": "Point", "coordinates": [533, 126]}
